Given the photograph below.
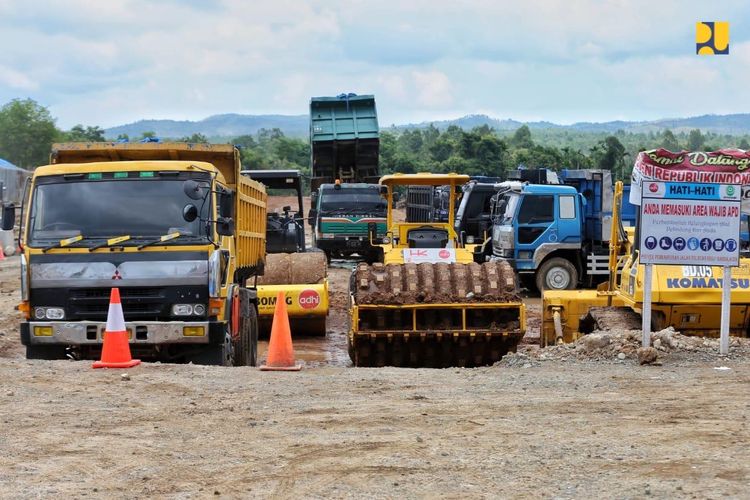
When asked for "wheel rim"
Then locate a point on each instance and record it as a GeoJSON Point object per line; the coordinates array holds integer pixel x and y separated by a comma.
{"type": "Point", "coordinates": [558, 278]}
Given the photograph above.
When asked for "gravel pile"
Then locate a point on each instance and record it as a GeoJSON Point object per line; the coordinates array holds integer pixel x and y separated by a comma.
{"type": "Point", "coordinates": [625, 345]}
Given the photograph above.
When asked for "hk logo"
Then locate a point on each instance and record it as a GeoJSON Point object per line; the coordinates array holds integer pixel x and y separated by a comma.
{"type": "Point", "coordinates": [711, 37]}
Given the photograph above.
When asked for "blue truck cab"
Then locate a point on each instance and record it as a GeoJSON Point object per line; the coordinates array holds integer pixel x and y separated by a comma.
{"type": "Point", "coordinates": [558, 234]}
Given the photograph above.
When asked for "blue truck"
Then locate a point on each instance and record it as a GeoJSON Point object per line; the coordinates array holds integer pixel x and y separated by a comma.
{"type": "Point", "coordinates": [558, 234]}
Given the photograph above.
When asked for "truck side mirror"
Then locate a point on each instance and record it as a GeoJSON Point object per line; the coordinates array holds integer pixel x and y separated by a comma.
{"type": "Point", "coordinates": [226, 204]}
{"type": "Point", "coordinates": [225, 226]}
{"type": "Point", "coordinates": [311, 216]}
{"type": "Point", "coordinates": [189, 212]}
{"type": "Point", "coordinates": [9, 216]}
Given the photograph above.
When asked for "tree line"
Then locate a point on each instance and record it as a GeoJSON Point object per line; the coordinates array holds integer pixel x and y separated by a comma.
{"type": "Point", "coordinates": [27, 131]}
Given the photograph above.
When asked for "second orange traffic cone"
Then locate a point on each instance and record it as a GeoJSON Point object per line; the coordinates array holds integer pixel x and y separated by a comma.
{"type": "Point", "coordinates": [280, 351]}
{"type": "Point", "coordinates": [116, 350]}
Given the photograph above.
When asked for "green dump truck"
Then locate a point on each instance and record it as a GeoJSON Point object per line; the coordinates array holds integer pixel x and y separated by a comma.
{"type": "Point", "coordinates": [346, 198]}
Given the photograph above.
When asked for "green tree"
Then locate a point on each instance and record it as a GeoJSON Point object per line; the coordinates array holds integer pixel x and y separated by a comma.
{"type": "Point", "coordinates": [522, 137]}
{"type": "Point", "coordinates": [609, 154]}
{"type": "Point", "coordinates": [79, 133]}
{"type": "Point", "coordinates": [27, 131]}
{"type": "Point", "coordinates": [696, 140]}
{"type": "Point", "coordinates": [669, 141]}
{"type": "Point", "coordinates": [744, 144]}
{"type": "Point", "coordinates": [196, 138]}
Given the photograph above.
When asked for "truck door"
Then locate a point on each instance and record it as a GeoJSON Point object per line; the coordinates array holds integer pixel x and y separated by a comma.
{"type": "Point", "coordinates": [534, 226]}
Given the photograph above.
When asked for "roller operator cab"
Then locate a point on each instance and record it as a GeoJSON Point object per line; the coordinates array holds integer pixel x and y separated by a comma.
{"type": "Point", "coordinates": [173, 226]}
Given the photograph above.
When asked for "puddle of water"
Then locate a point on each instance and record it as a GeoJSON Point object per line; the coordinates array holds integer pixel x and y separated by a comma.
{"type": "Point", "coordinates": [316, 351]}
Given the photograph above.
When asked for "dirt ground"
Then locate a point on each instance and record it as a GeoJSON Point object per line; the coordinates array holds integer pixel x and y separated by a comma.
{"type": "Point", "coordinates": [539, 424]}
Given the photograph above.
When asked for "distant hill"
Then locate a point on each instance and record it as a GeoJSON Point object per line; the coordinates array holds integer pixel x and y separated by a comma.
{"type": "Point", "coordinates": [226, 125]}
{"type": "Point", "coordinates": [233, 125]}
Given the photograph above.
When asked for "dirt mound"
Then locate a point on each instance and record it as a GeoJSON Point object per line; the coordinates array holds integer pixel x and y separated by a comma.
{"type": "Point", "coordinates": [435, 283]}
{"type": "Point", "coordinates": [621, 345]}
{"type": "Point", "coordinates": [294, 268]}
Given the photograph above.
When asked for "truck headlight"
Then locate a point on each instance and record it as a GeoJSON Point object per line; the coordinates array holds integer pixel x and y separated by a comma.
{"type": "Point", "coordinates": [24, 279]}
{"type": "Point", "coordinates": [49, 313]}
{"type": "Point", "coordinates": [469, 240]}
{"type": "Point", "coordinates": [214, 273]}
{"type": "Point", "coordinates": [386, 240]}
{"type": "Point", "coordinates": [188, 310]}
{"type": "Point", "coordinates": [326, 236]}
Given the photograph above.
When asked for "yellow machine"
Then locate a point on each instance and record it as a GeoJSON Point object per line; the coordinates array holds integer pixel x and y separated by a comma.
{"type": "Point", "coordinates": [301, 272]}
{"type": "Point", "coordinates": [174, 226]}
{"type": "Point", "coordinates": [428, 303]}
{"type": "Point", "coordinates": [687, 298]}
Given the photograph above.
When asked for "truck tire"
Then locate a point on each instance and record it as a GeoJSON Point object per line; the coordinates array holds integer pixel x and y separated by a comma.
{"type": "Point", "coordinates": [556, 274]}
{"type": "Point", "coordinates": [45, 352]}
{"type": "Point", "coordinates": [246, 349]}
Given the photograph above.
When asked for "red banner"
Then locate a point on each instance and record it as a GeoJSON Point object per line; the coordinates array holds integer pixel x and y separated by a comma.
{"type": "Point", "coordinates": [725, 166]}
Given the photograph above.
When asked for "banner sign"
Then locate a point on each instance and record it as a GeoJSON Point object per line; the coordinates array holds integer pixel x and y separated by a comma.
{"type": "Point", "coordinates": [432, 255]}
{"type": "Point", "coordinates": [725, 166]}
{"type": "Point", "coordinates": [690, 223]}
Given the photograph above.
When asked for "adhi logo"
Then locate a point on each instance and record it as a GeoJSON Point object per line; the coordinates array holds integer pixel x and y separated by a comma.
{"type": "Point", "coordinates": [309, 299]}
{"type": "Point", "coordinates": [444, 254]}
{"type": "Point", "coordinates": [653, 187]}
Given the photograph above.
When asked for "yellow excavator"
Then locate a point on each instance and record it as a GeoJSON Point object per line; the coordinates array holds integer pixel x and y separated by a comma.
{"type": "Point", "coordinates": [428, 304]}
{"type": "Point", "coordinates": [687, 298]}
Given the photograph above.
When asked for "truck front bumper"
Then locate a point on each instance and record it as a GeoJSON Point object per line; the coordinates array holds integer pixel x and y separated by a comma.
{"type": "Point", "coordinates": [344, 243]}
{"type": "Point", "coordinates": [140, 332]}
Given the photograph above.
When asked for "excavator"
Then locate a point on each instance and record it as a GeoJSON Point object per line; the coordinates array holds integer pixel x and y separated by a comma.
{"type": "Point", "coordinates": [428, 304]}
{"type": "Point", "coordinates": [688, 298]}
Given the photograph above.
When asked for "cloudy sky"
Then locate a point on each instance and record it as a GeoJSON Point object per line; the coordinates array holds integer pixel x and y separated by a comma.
{"type": "Point", "coordinates": [115, 61]}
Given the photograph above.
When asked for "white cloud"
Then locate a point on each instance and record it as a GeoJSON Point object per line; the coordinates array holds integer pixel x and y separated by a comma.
{"type": "Point", "coordinates": [433, 89]}
{"type": "Point", "coordinates": [105, 63]}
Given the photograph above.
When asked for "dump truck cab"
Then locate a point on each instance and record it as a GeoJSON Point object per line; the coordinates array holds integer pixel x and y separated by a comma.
{"type": "Point", "coordinates": [172, 225]}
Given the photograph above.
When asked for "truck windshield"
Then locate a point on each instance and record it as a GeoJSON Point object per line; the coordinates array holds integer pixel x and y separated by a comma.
{"type": "Point", "coordinates": [141, 208]}
{"type": "Point", "coordinates": [506, 209]}
{"type": "Point", "coordinates": [345, 200]}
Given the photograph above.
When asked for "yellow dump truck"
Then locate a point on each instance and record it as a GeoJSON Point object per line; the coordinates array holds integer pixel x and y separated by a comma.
{"type": "Point", "coordinates": [428, 303]}
{"type": "Point", "coordinates": [174, 226]}
{"type": "Point", "coordinates": [687, 298]}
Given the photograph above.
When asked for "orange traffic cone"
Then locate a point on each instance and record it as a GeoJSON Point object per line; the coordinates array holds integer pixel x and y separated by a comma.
{"type": "Point", "coordinates": [115, 351]}
{"type": "Point", "coordinates": [280, 351]}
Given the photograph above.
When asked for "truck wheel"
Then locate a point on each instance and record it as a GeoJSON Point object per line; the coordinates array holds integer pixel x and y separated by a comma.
{"type": "Point", "coordinates": [246, 349]}
{"type": "Point", "coordinates": [556, 274]}
{"type": "Point", "coordinates": [45, 352]}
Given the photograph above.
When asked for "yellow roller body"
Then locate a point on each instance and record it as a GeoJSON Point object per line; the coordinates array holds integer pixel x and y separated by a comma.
{"type": "Point", "coordinates": [303, 279]}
